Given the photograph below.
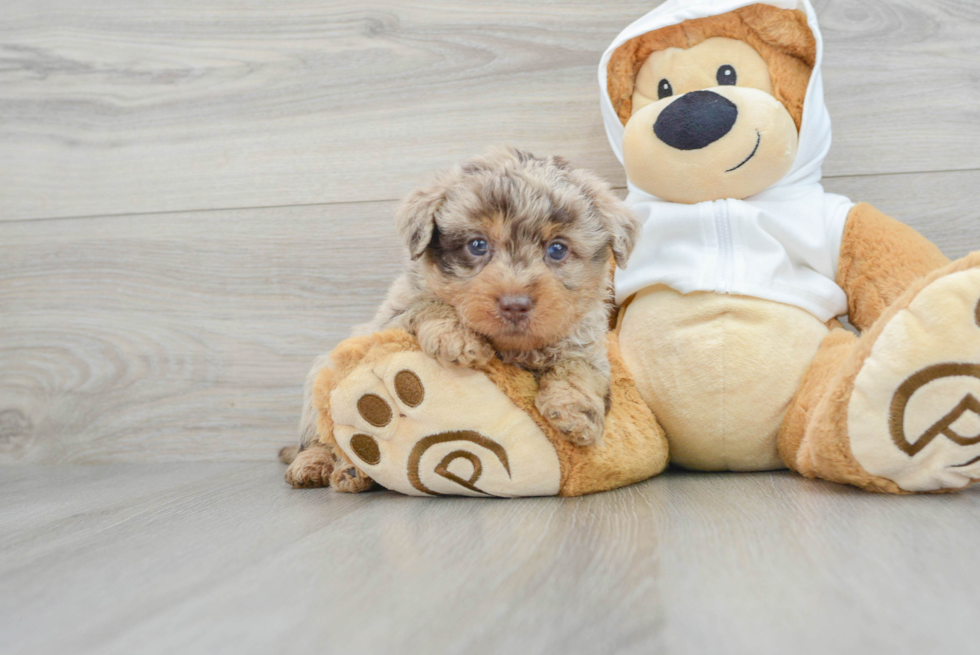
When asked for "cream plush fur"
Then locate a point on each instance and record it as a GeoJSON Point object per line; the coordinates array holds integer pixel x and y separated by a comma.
{"type": "Point", "coordinates": [718, 371]}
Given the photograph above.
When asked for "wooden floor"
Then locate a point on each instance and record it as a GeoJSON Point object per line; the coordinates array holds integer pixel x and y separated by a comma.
{"type": "Point", "coordinates": [220, 558]}
{"type": "Point", "coordinates": [196, 200]}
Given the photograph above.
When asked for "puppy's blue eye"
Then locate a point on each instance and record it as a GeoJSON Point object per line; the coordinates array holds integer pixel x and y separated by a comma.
{"type": "Point", "coordinates": [557, 251]}
{"type": "Point", "coordinates": [478, 247]}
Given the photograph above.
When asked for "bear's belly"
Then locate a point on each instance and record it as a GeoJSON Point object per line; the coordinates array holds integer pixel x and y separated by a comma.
{"type": "Point", "coordinates": [718, 371]}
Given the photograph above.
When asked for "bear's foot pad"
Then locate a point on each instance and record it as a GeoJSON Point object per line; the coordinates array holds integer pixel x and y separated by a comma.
{"type": "Point", "coordinates": [422, 429]}
{"type": "Point", "coordinates": [914, 414]}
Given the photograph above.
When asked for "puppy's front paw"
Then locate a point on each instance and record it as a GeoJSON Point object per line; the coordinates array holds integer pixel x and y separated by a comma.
{"type": "Point", "coordinates": [578, 415]}
{"type": "Point", "coordinates": [453, 344]}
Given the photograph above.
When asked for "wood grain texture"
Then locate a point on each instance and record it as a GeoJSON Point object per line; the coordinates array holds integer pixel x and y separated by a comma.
{"type": "Point", "coordinates": [116, 107]}
{"type": "Point", "coordinates": [187, 336]}
{"type": "Point", "coordinates": [936, 204]}
{"type": "Point", "coordinates": [223, 558]}
{"type": "Point", "coordinates": [160, 326]}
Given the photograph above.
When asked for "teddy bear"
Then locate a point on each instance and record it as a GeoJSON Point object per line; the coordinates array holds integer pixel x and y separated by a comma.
{"type": "Point", "coordinates": [727, 351]}
{"type": "Point", "coordinates": [730, 301]}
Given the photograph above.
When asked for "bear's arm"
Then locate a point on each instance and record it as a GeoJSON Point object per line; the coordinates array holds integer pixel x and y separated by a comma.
{"type": "Point", "coordinates": [879, 258]}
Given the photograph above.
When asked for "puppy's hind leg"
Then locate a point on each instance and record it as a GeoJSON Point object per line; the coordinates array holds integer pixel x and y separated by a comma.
{"type": "Point", "coordinates": [311, 467]}
{"type": "Point", "coordinates": [311, 462]}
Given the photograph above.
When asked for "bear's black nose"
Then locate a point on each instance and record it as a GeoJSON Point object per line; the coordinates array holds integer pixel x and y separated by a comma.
{"type": "Point", "coordinates": [695, 120]}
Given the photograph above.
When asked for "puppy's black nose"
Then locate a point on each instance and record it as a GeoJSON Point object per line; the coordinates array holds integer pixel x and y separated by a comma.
{"type": "Point", "coordinates": [696, 120]}
{"type": "Point", "coordinates": [515, 308]}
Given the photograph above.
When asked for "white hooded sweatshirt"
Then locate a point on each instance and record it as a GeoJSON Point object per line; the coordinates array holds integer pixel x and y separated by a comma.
{"type": "Point", "coordinates": [781, 244]}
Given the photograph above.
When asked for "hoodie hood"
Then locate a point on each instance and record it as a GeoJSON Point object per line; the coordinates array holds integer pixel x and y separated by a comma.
{"type": "Point", "coordinates": [781, 244]}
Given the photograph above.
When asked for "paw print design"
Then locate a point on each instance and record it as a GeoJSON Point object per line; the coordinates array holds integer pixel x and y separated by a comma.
{"type": "Point", "coordinates": [424, 429]}
{"type": "Point", "coordinates": [914, 415]}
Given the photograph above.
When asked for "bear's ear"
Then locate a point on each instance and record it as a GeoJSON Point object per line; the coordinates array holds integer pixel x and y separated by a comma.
{"type": "Point", "coordinates": [621, 79]}
{"type": "Point", "coordinates": [627, 59]}
{"type": "Point", "coordinates": [415, 217]}
{"type": "Point", "coordinates": [618, 221]}
{"type": "Point", "coordinates": [785, 30]}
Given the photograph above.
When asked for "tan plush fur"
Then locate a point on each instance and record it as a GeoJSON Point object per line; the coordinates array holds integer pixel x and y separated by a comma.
{"type": "Point", "coordinates": [879, 258]}
{"type": "Point", "coordinates": [816, 381]}
{"type": "Point", "coordinates": [780, 36]}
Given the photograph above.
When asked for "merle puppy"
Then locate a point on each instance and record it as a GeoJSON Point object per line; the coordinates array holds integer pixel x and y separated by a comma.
{"type": "Point", "coordinates": [511, 257]}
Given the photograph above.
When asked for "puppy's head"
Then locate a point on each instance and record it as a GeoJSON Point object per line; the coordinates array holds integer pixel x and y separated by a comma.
{"type": "Point", "coordinates": [519, 245]}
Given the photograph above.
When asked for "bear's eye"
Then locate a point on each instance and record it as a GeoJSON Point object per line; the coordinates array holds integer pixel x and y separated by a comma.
{"type": "Point", "coordinates": [478, 247]}
{"type": "Point", "coordinates": [664, 89]}
{"type": "Point", "coordinates": [726, 75]}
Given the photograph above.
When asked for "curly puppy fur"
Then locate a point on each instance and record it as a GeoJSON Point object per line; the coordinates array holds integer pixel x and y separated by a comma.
{"type": "Point", "coordinates": [484, 281]}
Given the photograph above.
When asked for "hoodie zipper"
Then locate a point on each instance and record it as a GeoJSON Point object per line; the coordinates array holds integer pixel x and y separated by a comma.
{"type": "Point", "coordinates": [726, 255]}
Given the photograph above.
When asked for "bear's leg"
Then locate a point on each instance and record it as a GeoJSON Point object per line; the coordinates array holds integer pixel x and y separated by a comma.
{"type": "Point", "coordinates": [879, 259]}
{"type": "Point", "coordinates": [898, 409]}
{"type": "Point", "coordinates": [817, 381]}
{"type": "Point", "coordinates": [396, 416]}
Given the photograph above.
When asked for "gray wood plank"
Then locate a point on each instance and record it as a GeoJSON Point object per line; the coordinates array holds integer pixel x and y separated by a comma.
{"type": "Point", "coordinates": [936, 204]}
{"type": "Point", "coordinates": [116, 108]}
{"type": "Point", "coordinates": [184, 337]}
{"type": "Point", "coordinates": [188, 336]}
{"type": "Point", "coordinates": [216, 558]}
{"type": "Point", "coordinates": [900, 83]}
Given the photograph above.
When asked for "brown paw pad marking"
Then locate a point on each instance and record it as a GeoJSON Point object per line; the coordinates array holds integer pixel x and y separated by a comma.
{"type": "Point", "coordinates": [376, 411]}
{"type": "Point", "coordinates": [942, 427]}
{"type": "Point", "coordinates": [366, 447]}
{"type": "Point", "coordinates": [409, 388]}
{"type": "Point", "coordinates": [442, 468]}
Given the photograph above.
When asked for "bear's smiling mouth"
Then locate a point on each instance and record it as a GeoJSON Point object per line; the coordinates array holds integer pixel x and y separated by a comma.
{"type": "Point", "coordinates": [758, 140]}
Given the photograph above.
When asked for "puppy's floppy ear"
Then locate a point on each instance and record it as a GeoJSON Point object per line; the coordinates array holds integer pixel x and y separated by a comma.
{"type": "Point", "coordinates": [415, 217]}
{"type": "Point", "coordinates": [618, 220]}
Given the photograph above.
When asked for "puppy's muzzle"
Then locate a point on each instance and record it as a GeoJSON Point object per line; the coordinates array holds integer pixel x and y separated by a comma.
{"type": "Point", "coordinates": [695, 120]}
{"type": "Point", "coordinates": [515, 308]}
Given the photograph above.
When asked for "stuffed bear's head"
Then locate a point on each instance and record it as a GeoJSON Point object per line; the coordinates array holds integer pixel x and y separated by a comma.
{"type": "Point", "coordinates": [712, 106]}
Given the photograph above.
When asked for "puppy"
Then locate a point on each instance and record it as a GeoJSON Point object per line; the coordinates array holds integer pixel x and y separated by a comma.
{"type": "Point", "coordinates": [510, 256]}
